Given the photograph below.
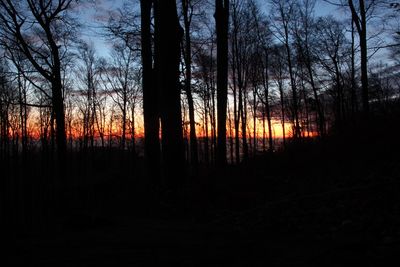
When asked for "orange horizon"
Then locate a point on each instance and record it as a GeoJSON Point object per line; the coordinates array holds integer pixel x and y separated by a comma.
{"type": "Point", "coordinates": [76, 133]}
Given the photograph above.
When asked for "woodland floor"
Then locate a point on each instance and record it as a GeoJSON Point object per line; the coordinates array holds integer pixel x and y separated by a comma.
{"type": "Point", "coordinates": [313, 205]}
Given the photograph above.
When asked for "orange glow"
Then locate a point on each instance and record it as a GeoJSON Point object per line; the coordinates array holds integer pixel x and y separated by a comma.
{"type": "Point", "coordinates": [74, 128]}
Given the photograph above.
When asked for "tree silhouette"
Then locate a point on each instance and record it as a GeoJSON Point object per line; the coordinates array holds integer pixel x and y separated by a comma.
{"type": "Point", "coordinates": [187, 10]}
{"type": "Point", "coordinates": [49, 23]}
{"type": "Point", "coordinates": [222, 24]}
{"type": "Point", "coordinates": [284, 13]}
{"type": "Point", "coordinates": [360, 21]}
{"type": "Point", "coordinates": [168, 35]}
{"type": "Point", "coordinates": [150, 95]}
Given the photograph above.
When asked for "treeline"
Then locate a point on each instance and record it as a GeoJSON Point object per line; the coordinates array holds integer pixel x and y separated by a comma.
{"type": "Point", "coordinates": [194, 84]}
{"type": "Point", "coordinates": [220, 80]}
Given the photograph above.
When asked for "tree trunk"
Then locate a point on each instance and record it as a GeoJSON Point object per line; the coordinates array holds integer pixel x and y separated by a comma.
{"type": "Point", "coordinates": [243, 114]}
{"type": "Point", "coordinates": [364, 72]}
{"type": "Point", "coordinates": [281, 94]}
{"type": "Point", "coordinates": [133, 131]}
{"type": "Point", "coordinates": [188, 81]}
{"type": "Point", "coordinates": [230, 135]}
{"type": "Point", "coordinates": [58, 110]}
{"type": "Point", "coordinates": [353, 75]}
{"type": "Point", "coordinates": [236, 117]}
{"type": "Point", "coordinates": [297, 132]}
{"type": "Point", "coordinates": [168, 35]}
{"type": "Point", "coordinates": [123, 135]}
{"type": "Point", "coordinates": [206, 146]}
{"type": "Point", "coordinates": [320, 114]}
{"type": "Point", "coordinates": [58, 107]}
{"type": "Point", "coordinates": [222, 24]}
{"type": "Point", "coordinates": [150, 97]}
{"type": "Point", "coordinates": [254, 121]}
{"type": "Point", "coordinates": [361, 25]}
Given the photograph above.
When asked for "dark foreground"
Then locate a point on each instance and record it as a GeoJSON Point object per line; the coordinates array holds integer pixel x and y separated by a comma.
{"type": "Point", "coordinates": [355, 227]}
{"type": "Point", "coordinates": [335, 203]}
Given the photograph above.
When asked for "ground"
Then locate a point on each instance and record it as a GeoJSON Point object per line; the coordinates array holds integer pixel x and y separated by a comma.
{"type": "Point", "coordinates": [312, 205]}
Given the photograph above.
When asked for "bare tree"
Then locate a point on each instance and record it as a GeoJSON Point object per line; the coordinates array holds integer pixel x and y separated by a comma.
{"type": "Point", "coordinates": [150, 94]}
{"type": "Point", "coordinates": [87, 72]}
{"type": "Point", "coordinates": [222, 24]}
{"type": "Point", "coordinates": [279, 76]}
{"type": "Point", "coordinates": [241, 42]}
{"type": "Point", "coordinates": [359, 16]}
{"type": "Point", "coordinates": [331, 44]}
{"type": "Point", "coordinates": [205, 77]}
{"type": "Point", "coordinates": [168, 34]}
{"type": "Point", "coordinates": [6, 99]}
{"type": "Point", "coordinates": [120, 80]}
{"type": "Point", "coordinates": [39, 29]}
{"type": "Point", "coordinates": [262, 60]}
{"type": "Point", "coordinates": [188, 12]}
{"type": "Point", "coordinates": [304, 39]}
{"type": "Point", "coordinates": [284, 15]}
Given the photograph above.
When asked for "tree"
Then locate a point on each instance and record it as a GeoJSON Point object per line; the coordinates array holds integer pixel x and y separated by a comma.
{"type": "Point", "coordinates": [168, 34]}
{"type": "Point", "coordinates": [262, 67]}
{"type": "Point", "coordinates": [242, 42]}
{"type": "Point", "coordinates": [187, 10]}
{"type": "Point", "coordinates": [150, 94]}
{"type": "Point", "coordinates": [359, 16]}
{"type": "Point", "coordinates": [52, 28]}
{"type": "Point", "coordinates": [279, 75]}
{"type": "Point", "coordinates": [22, 85]}
{"type": "Point", "coordinates": [331, 46]}
{"type": "Point", "coordinates": [87, 73]}
{"type": "Point", "coordinates": [284, 15]}
{"type": "Point", "coordinates": [205, 76]}
{"type": "Point", "coordinates": [222, 24]}
{"type": "Point", "coordinates": [396, 37]}
{"type": "Point", "coordinates": [6, 97]}
{"type": "Point", "coordinates": [120, 78]}
{"type": "Point", "coordinates": [304, 39]}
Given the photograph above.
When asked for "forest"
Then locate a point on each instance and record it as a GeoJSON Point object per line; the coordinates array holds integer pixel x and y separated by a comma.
{"type": "Point", "coordinates": [200, 132]}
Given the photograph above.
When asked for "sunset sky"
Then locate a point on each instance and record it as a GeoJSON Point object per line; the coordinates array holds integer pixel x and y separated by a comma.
{"type": "Point", "coordinates": [95, 15]}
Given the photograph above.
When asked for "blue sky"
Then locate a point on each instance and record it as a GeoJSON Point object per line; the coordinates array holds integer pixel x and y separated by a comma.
{"type": "Point", "coordinates": [96, 14]}
{"type": "Point", "coordinates": [322, 8]}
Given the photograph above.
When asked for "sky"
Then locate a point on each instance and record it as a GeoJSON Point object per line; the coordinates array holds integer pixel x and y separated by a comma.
{"type": "Point", "coordinates": [96, 13]}
{"type": "Point", "coordinates": [322, 8]}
